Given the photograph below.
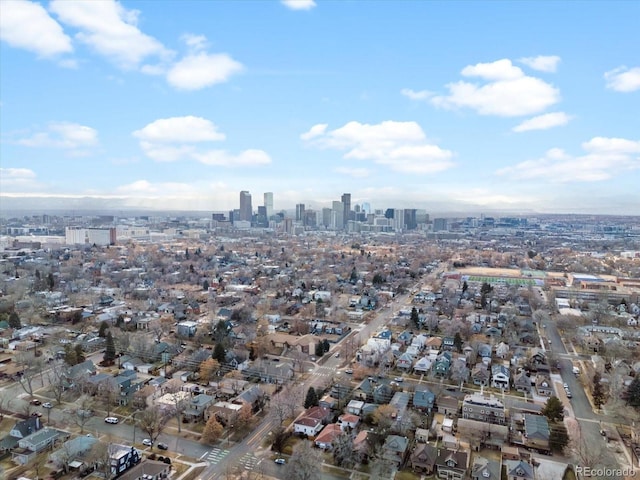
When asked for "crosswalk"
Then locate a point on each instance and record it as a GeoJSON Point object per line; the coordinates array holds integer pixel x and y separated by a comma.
{"type": "Point", "coordinates": [249, 461]}
{"type": "Point", "coordinates": [216, 455]}
{"type": "Point", "coordinates": [324, 372]}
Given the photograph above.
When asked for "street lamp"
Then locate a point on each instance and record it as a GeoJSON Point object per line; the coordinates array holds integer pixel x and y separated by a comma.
{"type": "Point", "coordinates": [133, 415]}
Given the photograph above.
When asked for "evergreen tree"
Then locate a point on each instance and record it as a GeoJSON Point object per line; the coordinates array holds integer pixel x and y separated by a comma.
{"type": "Point", "coordinates": [353, 278]}
{"type": "Point", "coordinates": [558, 437]}
{"type": "Point", "coordinates": [415, 318]}
{"type": "Point", "coordinates": [110, 349]}
{"type": "Point", "coordinates": [312, 398]}
{"type": "Point", "coordinates": [319, 349]}
{"type": "Point", "coordinates": [51, 281]}
{"type": "Point", "coordinates": [457, 342]}
{"type": "Point", "coordinates": [378, 279]}
{"type": "Point", "coordinates": [70, 357]}
{"type": "Point", "coordinates": [102, 332]}
{"type": "Point", "coordinates": [326, 346]}
{"type": "Point", "coordinates": [205, 285]}
{"type": "Point", "coordinates": [14, 320]}
{"type": "Point", "coordinates": [465, 287]}
{"type": "Point", "coordinates": [633, 392]}
{"type": "Point", "coordinates": [598, 392]}
{"type": "Point", "coordinates": [80, 357]}
{"type": "Point", "coordinates": [220, 353]}
{"type": "Point", "coordinates": [553, 409]}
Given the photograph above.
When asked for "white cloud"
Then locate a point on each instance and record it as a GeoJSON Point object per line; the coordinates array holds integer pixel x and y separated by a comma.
{"type": "Point", "coordinates": [181, 138]}
{"type": "Point", "coordinates": [402, 146]}
{"type": "Point", "coordinates": [12, 179]}
{"type": "Point", "coordinates": [299, 4]}
{"type": "Point", "coordinates": [111, 30]}
{"type": "Point", "coordinates": [623, 79]}
{"type": "Point", "coordinates": [543, 122]}
{"type": "Point", "coordinates": [416, 95]}
{"type": "Point", "coordinates": [65, 135]}
{"type": "Point", "coordinates": [188, 129]}
{"type": "Point", "coordinates": [604, 158]}
{"type": "Point", "coordinates": [27, 25]}
{"type": "Point", "coordinates": [543, 63]}
{"type": "Point", "coordinates": [222, 158]}
{"type": "Point", "coordinates": [195, 42]}
{"type": "Point", "coordinates": [200, 70]}
{"type": "Point", "coordinates": [507, 93]}
{"type": "Point", "coordinates": [353, 172]}
{"type": "Point", "coordinates": [315, 131]}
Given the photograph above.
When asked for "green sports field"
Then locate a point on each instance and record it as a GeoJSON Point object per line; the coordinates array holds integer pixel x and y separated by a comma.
{"type": "Point", "coordinates": [503, 280]}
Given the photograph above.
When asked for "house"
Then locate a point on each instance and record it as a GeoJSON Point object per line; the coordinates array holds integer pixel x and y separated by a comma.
{"type": "Point", "coordinates": [31, 445]}
{"type": "Point", "coordinates": [328, 434]}
{"type": "Point", "coordinates": [362, 445]}
{"type": "Point", "coordinates": [442, 365]}
{"type": "Point", "coordinates": [405, 361]}
{"type": "Point", "coordinates": [423, 399]}
{"type": "Point", "coordinates": [382, 393]}
{"type": "Point", "coordinates": [348, 421]}
{"type": "Point", "coordinates": [484, 350]}
{"type": "Point", "coordinates": [187, 329]}
{"type": "Point", "coordinates": [448, 405]}
{"type": "Point", "coordinates": [543, 386]}
{"type": "Point", "coordinates": [519, 470]}
{"type": "Point", "coordinates": [394, 449]}
{"type": "Point", "coordinates": [502, 350]}
{"type": "Point", "coordinates": [73, 450]}
{"type": "Point", "coordinates": [147, 470]}
{"type": "Point", "coordinates": [500, 377]}
{"type": "Point", "coordinates": [536, 432]}
{"type": "Point", "coordinates": [452, 464]}
{"type": "Point", "coordinates": [405, 337]}
{"type": "Point", "coordinates": [253, 397]}
{"type": "Point", "coordinates": [422, 435]}
{"type": "Point", "coordinates": [423, 365]}
{"type": "Point", "coordinates": [423, 458]}
{"type": "Point", "coordinates": [355, 407]}
{"type": "Point", "coordinates": [197, 406]}
{"type": "Point", "coordinates": [483, 408]}
{"type": "Point", "coordinates": [522, 382]}
{"type": "Point", "coordinates": [307, 426]}
{"type": "Point", "coordinates": [448, 343]}
{"type": "Point", "coordinates": [480, 375]}
{"type": "Point", "coordinates": [122, 458]}
{"type": "Point", "coordinates": [485, 469]}
{"type": "Point", "coordinates": [20, 430]}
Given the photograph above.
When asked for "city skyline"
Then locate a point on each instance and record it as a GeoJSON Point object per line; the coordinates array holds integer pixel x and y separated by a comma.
{"type": "Point", "coordinates": [449, 107]}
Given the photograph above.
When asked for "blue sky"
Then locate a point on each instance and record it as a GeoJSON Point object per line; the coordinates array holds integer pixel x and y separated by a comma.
{"type": "Point", "coordinates": [449, 106]}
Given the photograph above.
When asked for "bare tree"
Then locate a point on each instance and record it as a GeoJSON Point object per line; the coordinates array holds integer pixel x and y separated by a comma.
{"type": "Point", "coordinates": [108, 393]}
{"type": "Point", "coordinates": [178, 401]}
{"type": "Point", "coordinates": [83, 413]}
{"type": "Point", "coordinates": [152, 421]}
{"type": "Point", "coordinates": [31, 368]}
{"type": "Point", "coordinates": [6, 399]}
{"type": "Point", "coordinates": [305, 462]}
{"type": "Point", "coordinates": [100, 457]}
{"type": "Point", "coordinates": [57, 376]}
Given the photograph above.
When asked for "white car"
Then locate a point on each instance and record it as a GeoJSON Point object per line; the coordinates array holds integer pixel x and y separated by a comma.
{"type": "Point", "coordinates": [147, 442]}
{"type": "Point", "coordinates": [111, 420]}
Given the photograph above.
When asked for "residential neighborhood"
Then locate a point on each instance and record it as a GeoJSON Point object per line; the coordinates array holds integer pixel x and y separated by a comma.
{"type": "Point", "coordinates": [227, 351]}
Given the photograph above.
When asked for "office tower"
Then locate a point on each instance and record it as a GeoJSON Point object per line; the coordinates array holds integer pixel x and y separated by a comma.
{"type": "Point", "coordinates": [337, 215]}
{"type": "Point", "coordinates": [366, 208]}
{"type": "Point", "coordinates": [398, 219]}
{"type": "Point", "coordinates": [326, 217]}
{"type": "Point", "coordinates": [346, 202]}
{"type": "Point", "coordinates": [246, 211]}
{"type": "Point", "coordinates": [268, 203]}
{"type": "Point", "coordinates": [300, 212]}
{"type": "Point", "coordinates": [439, 224]}
{"type": "Point", "coordinates": [262, 220]}
{"type": "Point", "coordinates": [410, 219]}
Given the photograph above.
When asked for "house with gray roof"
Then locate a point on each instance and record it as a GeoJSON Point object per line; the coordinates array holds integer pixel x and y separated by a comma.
{"type": "Point", "coordinates": [395, 449]}
{"type": "Point", "coordinates": [536, 432]}
{"type": "Point", "coordinates": [485, 469]}
{"type": "Point", "coordinates": [73, 450]}
{"type": "Point", "coordinates": [423, 399]}
{"type": "Point", "coordinates": [31, 445]}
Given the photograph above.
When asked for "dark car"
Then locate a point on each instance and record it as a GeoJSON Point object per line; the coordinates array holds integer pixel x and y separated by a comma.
{"type": "Point", "coordinates": [35, 401]}
{"type": "Point", "coordinates": [163, 446]}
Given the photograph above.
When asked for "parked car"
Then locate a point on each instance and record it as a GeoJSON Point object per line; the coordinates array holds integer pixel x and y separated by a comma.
{"type": "Point", "coordinates": [111, 420]}
{"type": "Point", "coordinates": [36, 414]}
{"type": "Point", "coordinates": [280, 461]}
{"type": "Point", "coordinates": [398, 379]}
{"type": "Point", "coordinates": [349, 371]}
{"type": "Point", "coordinates": [337, 355]}
{"type": "Point", "coordinates": [148, 442]}
{"type": "Point", "coordinates": [47, 405]}
{"type": "Point", "coordinates": [163, 446]}
{"type": "Point", "coordinates": [35, 401]}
